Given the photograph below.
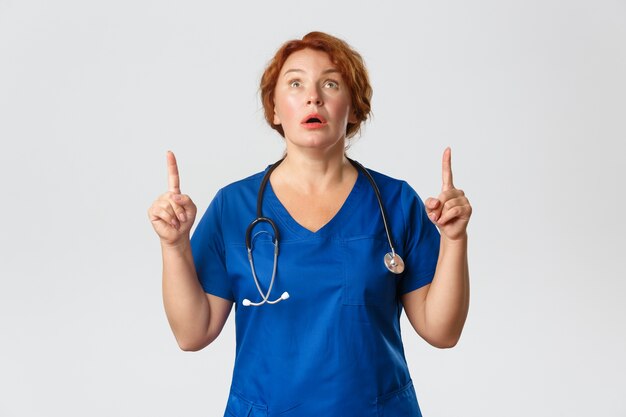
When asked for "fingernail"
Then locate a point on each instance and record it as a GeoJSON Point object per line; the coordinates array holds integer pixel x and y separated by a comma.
{"type": "Point", "coordinates": [175, 224]}
{"type": "Point", "coordinates": [433, 217]}
{"type": "Point", "coordinates": [182, 217]}
{"type": "Point", "coordinates": [177, 197]}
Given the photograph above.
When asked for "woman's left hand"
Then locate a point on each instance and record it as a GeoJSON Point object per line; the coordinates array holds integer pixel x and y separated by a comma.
{"type": "Point", "coordinates": [451, 210]}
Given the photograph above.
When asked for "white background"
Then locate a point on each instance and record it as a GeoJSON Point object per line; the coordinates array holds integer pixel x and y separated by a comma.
{"type": "Point", "coordinates": [531, 95]}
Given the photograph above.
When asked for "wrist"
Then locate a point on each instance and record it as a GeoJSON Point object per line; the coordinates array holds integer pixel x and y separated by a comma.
{"type": "Point", "coordinates": [461, 240]}
{"type": "Point", "coordinates": [180, 246]}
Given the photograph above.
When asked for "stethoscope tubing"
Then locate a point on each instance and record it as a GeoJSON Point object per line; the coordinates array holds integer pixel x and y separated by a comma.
{"type": "Point", "coordinates": [379, 199]}
{"type": "Point", "coordinates": [392, 260]}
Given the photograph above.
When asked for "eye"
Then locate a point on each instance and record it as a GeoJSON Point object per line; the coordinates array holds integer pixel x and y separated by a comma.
{"type": "Point", "coordinates": [295, 83]}
{"type": "Point", "coordinates": [331, 84]}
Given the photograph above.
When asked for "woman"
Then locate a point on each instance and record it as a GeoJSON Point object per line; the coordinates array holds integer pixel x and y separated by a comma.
{"type": "Point", "coordinates": [317, 320]}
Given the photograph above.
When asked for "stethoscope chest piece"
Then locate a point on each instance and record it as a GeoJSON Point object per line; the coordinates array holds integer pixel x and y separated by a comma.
{"type": "Point", "coordinates": [394, 263]}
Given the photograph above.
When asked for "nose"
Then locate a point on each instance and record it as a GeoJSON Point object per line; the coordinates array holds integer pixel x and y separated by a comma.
{"type": "Point", "coordinates": [314, 97]}
{"type": "Point", "coordinates": [314, 100]}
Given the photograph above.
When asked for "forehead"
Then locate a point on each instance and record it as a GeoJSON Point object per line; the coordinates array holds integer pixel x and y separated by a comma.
{"type": "Point", "coordinates": [308, 60]}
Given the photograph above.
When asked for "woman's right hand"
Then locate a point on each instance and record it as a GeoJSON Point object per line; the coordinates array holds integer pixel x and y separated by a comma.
{"type": "Point", "coordinates": [173, 213]}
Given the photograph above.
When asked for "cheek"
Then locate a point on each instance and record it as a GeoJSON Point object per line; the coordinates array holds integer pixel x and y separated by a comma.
{"type": "Point", "coordinates": [285, 110]}
{"type": "Point", "coordinates": [345, 112]}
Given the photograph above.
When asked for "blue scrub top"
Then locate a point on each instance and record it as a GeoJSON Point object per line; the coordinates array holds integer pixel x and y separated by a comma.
{"type": "Point", "coordinates": [334, 347]}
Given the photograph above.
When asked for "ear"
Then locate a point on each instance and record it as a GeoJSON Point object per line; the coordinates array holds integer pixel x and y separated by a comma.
{"type": "Point", "coordinates": [276, 120]}
{"type": "Point", "coordinates": [352, 117]}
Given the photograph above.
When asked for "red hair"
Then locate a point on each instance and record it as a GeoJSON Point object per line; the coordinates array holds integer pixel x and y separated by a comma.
{"type": "Point", "coordinates": [349, 63]}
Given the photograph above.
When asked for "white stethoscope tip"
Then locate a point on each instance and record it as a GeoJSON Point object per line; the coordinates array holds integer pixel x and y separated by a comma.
{"type": "Point", "coordinates": [284, 296]}
{"type": "Point", "coordinates": [246, 302]}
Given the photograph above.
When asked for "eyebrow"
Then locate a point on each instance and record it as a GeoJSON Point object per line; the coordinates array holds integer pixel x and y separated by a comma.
{"type": "Point", "coordinates": [326, 71]}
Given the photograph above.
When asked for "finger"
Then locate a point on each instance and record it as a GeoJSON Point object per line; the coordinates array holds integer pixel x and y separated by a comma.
{"type": "Point", "coordinates": [455, 202]}
{"type": "Point", "coordinates": [433, 209]}
{"type": "Point", "coordinates": [453, 213]}
{"type": "Point", "coordinates": [178, 202]}
{"type": "Point", "coordinates": [163, 211]}
{"type": "Point", "coordinates": [180, 199]}
{"type": "Point", "coordinates": [431, 204]}
{"type": "Point", "coordinates": [449, 209]}
{"type": "Point", "coordinates": [446, 196]}
{"type": "Point", "coordinates": [461, 211]}
{"type": "Point", "coordinates": [173, 179]}
{"type": "Point", "coordinates": [434, 216]}
{"type": "Point", "coordinates": [446, 169]}
{"type": "Point", "coordinates": [187, 204]}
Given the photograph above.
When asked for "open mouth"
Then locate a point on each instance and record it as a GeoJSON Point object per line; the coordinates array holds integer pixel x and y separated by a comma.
{"type": "Point", "coordinates": [313, 120]}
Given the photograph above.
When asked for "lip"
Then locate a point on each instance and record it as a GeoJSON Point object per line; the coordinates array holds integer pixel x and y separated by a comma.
{"type": "Point", "coordinates": [322, 121]}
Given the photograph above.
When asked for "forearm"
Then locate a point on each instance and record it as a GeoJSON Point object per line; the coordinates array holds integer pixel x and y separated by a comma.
{"type": "Point", "coordinates": [186, 304]}
{"type": "Point", "coordinates": [447, 302]}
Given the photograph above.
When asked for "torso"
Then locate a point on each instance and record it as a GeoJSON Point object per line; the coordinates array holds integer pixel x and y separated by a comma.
{"type": "Point", "coordinates": [334, 347]}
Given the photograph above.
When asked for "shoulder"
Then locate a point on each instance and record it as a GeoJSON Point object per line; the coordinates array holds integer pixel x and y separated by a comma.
{"type": "Point", "coordinates": [397, 195]}
{"type": "Point", "coordinates": [251, 182]}
{"type": "Point", "coordinates": [233, 201]}
{"type": "Point", "coordinates": [391, 187]}
{"type": "Point", "coordinates": [239, 197]}
{"type": "Point", "coordinates": [385, 180]}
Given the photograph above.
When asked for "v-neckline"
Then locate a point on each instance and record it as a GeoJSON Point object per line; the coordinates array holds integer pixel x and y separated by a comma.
{"type": "Point", "coordinates": [281, 213]}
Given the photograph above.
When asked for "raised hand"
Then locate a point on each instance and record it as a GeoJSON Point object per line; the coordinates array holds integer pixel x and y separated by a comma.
{"type": "Point", "coordinates": [451, 210]}
{"type": "Point", "coordinates": [173, 213]}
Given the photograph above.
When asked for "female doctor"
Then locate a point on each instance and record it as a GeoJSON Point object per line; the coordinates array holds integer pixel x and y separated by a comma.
{"type": "Point", "coordinates": [319, 255]}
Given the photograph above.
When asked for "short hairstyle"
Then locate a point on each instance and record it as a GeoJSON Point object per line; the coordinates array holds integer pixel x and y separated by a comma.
{"type": "Point", "coordinates": [349, 63]}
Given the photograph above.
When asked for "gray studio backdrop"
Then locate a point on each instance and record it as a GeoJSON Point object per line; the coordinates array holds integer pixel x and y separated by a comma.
{"type": "Point", "coordinates": [529, 94]}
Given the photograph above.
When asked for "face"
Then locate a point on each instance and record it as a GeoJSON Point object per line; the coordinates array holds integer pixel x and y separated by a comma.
{"type": "Point", "coordinates": [311, 102]}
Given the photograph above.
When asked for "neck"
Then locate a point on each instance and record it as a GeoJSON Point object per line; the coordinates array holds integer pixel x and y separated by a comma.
{"type": "Point", "coordinates": [313, 172]}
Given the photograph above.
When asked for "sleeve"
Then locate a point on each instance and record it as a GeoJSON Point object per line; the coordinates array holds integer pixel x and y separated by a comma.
{"type": "Point", "coordinates": [421, 242]}
{"type": "Point", "coordinates": [207, 247]}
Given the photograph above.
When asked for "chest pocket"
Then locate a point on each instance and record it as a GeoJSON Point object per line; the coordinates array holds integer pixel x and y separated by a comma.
{"type": "Point", "coordinates": [366, 279]}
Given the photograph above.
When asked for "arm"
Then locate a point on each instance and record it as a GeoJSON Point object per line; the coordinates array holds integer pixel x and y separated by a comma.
{"type": "Point", "coordinates": [196, 318]}
{"type": "Point", "coordinates": [438, 311]}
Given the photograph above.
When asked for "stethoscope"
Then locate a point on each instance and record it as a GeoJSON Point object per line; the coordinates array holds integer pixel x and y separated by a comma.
{"type": "Point", "coordinates": [392, 260]}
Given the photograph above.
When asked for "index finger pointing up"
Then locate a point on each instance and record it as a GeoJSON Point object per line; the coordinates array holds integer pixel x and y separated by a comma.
{"type": "Point", "coordinates": [446, 170]}
{"type": "Point", "coordinates": [173, 180]}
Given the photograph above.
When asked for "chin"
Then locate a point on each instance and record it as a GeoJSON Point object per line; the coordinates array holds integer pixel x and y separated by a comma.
{"type": "Point", "coordinates": [316, 140]}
